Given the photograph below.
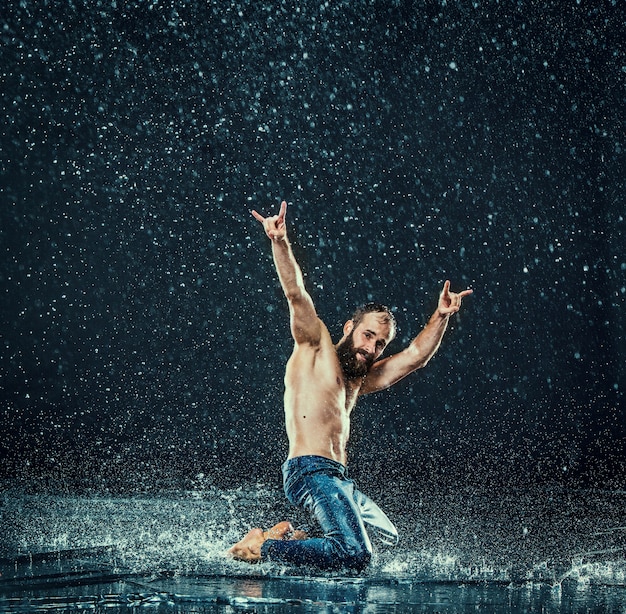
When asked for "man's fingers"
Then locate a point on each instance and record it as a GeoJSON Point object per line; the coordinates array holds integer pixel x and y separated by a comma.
{"type": "Point", "coordinates": [450, 302]}
{"type": "Point", "coordinates": [446, 291]}
{"type": "Point", "coordinates": [450, 310]}
{"type": "Point", "coordinates": [280, 217]}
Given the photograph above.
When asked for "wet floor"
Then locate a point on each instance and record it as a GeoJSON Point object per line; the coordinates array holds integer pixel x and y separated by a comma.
{"type": "Point", "coordinates": [546, 551]}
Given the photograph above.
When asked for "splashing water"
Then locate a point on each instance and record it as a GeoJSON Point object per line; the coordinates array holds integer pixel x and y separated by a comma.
{"type": "Point", "coordinates": [171, 549]}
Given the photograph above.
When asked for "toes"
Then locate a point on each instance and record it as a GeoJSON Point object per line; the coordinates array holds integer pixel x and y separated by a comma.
{"type": "Point", "coordinates": [282, 530]}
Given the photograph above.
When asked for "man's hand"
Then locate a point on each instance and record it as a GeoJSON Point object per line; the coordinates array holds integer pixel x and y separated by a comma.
{"type": "Point", "coordinates": [450, 302]}
{"type": "Point", "coordinates": [274, 226]}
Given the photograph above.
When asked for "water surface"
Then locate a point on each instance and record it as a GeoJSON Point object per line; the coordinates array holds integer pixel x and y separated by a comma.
{"type": "Point", "coordinates": [546, 550]}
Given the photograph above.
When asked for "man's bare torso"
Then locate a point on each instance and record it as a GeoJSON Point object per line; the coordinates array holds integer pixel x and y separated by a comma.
{"type": "Point", "coordinates": [318, 401]}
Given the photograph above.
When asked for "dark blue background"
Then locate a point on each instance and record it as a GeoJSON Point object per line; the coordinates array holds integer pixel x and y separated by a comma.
{"type": "Point", "coordinates": [144, 331]}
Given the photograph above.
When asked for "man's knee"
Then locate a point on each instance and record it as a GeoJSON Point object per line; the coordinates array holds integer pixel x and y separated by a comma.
{"type": "Point", "coordinates": [353, 555]}
{"type": "Point", "coordinates": [360, 559]}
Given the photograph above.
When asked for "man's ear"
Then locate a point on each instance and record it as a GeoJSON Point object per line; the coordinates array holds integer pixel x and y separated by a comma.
{"type": "Point", "coordinates": [347, 327]}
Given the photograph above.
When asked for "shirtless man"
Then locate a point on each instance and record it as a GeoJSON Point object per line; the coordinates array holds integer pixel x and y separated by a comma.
{"type": "Point", "coordinates": [322, 383]}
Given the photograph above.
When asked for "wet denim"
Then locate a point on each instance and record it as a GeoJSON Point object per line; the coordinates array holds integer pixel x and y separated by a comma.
{"type": "Point", "coordinates": [322, 487]}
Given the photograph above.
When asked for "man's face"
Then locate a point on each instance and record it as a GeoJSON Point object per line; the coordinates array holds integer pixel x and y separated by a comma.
{"type": "Point", "coordinates": [363, 345]}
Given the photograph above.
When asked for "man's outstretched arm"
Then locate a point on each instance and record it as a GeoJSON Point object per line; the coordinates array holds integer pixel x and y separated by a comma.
{"type": "Point", "coordinates": [388, 371]}
{"type": "Point", "coordinates": [305, 325]}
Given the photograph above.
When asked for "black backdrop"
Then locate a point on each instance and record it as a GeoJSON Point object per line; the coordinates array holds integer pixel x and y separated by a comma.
{"type": "Point", "coordinates": [144, 331]}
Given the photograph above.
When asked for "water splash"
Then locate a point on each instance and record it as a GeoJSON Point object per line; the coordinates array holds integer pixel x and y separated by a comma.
{"type": "Point", "coordinates": [186, 533]}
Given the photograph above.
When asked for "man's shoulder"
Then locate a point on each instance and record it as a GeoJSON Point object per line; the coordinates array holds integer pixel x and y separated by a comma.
{"type": "Point", "coordinates": [325, 345]}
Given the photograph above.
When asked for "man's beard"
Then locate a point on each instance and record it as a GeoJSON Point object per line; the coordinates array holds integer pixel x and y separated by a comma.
{"type": "Point", "coordinates": [351, 366]}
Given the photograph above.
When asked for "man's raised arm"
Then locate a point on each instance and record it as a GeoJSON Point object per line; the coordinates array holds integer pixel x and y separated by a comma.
{"type": "Point", "coordinates": [388, 371]}
{"type": "Point", "coordinates": [305, 325]}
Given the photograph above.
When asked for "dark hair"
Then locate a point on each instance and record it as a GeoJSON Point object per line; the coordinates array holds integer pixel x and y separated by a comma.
{"type": "Point", "coordinates": [386, 316]}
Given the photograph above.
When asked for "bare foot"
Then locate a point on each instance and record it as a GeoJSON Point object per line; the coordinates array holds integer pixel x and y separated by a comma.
{"type": "Point", "coordinates": [249, 548]}
{"type": "Point", "coordinates": [282, 530]}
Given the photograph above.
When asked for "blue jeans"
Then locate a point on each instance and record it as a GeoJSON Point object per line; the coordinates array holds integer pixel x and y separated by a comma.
{"type": "Point", "coordinates": [322, 487]}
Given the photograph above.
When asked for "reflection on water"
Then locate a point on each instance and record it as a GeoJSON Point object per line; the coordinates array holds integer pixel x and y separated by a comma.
{"type": "Point", "coordinates": [546, 551]}
{"type": "Point", "coordinates": [316, 595]}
